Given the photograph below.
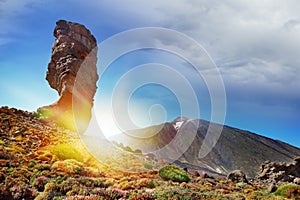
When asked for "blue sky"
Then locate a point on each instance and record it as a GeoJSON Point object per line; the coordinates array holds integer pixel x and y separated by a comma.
{"type": "Point", "coordinates": [254, 44]}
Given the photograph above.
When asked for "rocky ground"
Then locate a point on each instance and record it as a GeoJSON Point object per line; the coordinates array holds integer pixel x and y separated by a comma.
{"type": "Point", "coordinates": [42, 161]}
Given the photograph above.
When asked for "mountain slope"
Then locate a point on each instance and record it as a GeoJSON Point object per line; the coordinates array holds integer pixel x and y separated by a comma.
{"type": "Point", "coordinates": [235, 149]}
{"type": "Point", "coordinates": [40, 160]}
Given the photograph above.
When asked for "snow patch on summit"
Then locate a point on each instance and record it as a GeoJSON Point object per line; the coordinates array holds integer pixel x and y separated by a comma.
{"type": "Point", "coordinates": [177, 125]}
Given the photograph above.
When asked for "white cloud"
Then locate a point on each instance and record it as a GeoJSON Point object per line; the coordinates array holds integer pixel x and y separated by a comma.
{"type": "Point", "coordinates": [255, 43]}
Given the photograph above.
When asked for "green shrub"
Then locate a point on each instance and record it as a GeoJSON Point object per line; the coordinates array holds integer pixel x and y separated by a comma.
{"type": "Point", "coordinates": [288, 191]}
{"type": "Point", "coordinates": [42, 167]}
{"type": "Point", "coordinates": [151, 184]}
{"type": "Point", "coordinates": [42, 113]}
{"type": "Point", "coordinates": [148, 165]}
{"type": "Point", "coordinates": [31, 163]}
{"type": "Point", "coordinates": [240, 184]}
{"type": "Point", "coordinates": [67, 151]}
{"type": "Point", "coordinates": [174, 173]}
{"type": "Point", "coordinates": [10, 171]}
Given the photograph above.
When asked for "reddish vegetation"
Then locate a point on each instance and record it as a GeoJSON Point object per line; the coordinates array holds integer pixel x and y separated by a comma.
{"type": "Point", "coordinates": [31, 168]}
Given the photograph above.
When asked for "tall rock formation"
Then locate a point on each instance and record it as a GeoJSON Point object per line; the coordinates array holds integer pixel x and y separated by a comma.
{"type": "Point", "coordinates": [73, 74]}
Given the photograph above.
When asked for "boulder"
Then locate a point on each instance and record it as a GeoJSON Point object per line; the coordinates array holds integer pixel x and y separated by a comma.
{"type": "Point", "coordinates": [237, 176]}
{"type": "Point", "coordinates": [272, 188]}
{"type": "Point", "coordinates": [73, 74]}
{"type": "Point", "coordinates": [297, 181]}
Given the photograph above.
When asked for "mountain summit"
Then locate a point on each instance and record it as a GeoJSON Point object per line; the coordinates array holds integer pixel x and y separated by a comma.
{"type": "Point", "coordinates": [235, 149]}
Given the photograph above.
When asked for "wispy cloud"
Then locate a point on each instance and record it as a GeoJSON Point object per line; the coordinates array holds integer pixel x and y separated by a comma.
{"type": "Point", "coordinates": [12, 14]}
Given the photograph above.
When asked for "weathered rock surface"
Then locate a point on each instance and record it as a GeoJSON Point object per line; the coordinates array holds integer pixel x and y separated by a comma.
{"type": "Point", "coordinates": [72, 72]}
{"type": "Point", "coordinates": [237, 176]}
{"type": "Point", "coordinates": [272, 172]}
{"type": "Point", "coordinates": [297, 181]}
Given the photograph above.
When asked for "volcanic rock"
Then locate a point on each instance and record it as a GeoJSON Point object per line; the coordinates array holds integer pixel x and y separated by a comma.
{"type": "Point", "coordinates": [297, 181]}
{"type": "Point", "coordinates": [73, 74]}
{"type": "Point", "coordinates": [273, 172]}
{"type": "Point", "coordinates": [272, 188]}
{"type": "Point", "coordinates": [237, 176]}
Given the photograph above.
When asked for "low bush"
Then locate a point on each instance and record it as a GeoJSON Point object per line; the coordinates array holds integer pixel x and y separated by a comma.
{"type": "Point", "coordinates": [288, 191]}
{"type": "Point", "coordinates": [174, 173]}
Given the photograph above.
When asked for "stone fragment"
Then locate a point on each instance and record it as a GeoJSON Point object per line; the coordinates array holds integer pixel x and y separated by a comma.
{"type": "Point", "coordinates": [237, 176]}
{"type": "Point", "coordinates": [297, 181]}
{"type": "Point", "coordinates": [272, 188]}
